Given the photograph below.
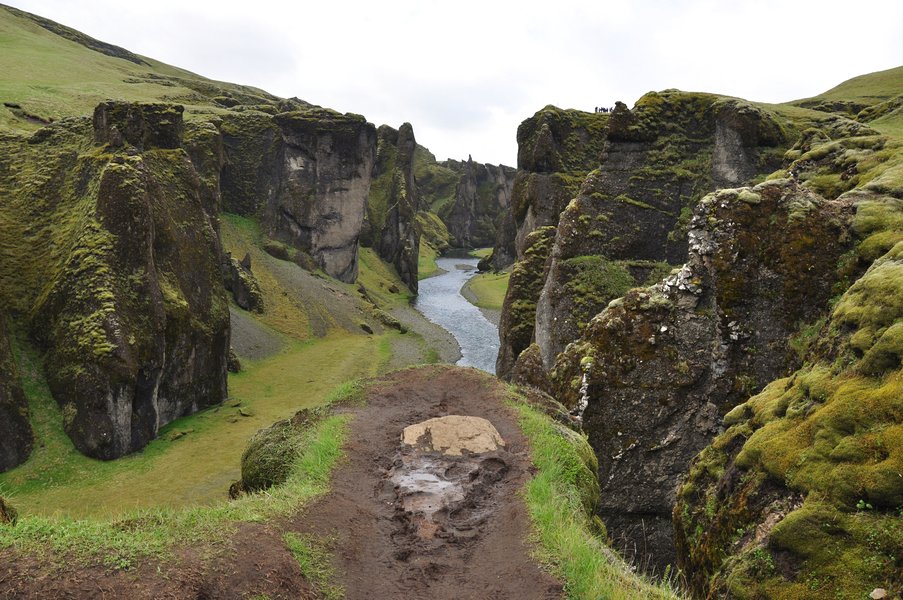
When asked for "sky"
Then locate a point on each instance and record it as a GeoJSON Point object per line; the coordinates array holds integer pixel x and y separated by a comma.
{"type": "Point", "coordinates": [466, 73]}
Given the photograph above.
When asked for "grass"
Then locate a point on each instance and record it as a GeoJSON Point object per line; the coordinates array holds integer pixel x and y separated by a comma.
{"type": "Point", "coordinates": [123, 542]}
{"type": "Point", "coordinates": [314, 557]}
{"type": "Point", "coordinates": [52, 77]}
{"type": "Point", "coordinates": [57, 479]}
{"type": "Point", "coordinates": [871, 87]}
{"type": "Point", "coordinates": [563, 526]}
{"type": "Point", "coordinates": [379, 277]}
{"type": "Point", "coordinates": [426, 262]}
{"type": "Point", "coordinates": [489, 289]}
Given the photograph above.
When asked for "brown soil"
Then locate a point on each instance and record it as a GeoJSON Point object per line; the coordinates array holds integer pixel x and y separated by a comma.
{"type": "Point", "coordinates": [473, 546]}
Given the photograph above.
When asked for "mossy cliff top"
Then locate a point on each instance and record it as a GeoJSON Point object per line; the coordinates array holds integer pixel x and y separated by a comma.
{"type": "Point", "coordinates": [556, 139]}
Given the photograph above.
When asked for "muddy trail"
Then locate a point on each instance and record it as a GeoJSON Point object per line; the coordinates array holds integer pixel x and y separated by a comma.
{"type": "Point", "coordinates": [437, 517]}
{"type": "Point", "coordinates": [461, 532]}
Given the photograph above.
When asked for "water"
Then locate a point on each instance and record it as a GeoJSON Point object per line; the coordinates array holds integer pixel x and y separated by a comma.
{"type": "Point", "coordinates": [440, 300]}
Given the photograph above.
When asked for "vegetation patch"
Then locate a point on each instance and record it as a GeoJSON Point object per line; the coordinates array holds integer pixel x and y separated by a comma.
{"type": "Point", "coordinates": [314, 556]}
{"type": "Point", "coordinates": [560, 499]}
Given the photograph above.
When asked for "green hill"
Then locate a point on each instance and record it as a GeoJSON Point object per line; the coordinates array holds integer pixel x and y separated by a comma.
{"type": "Point", "coordinates": [51, 71]}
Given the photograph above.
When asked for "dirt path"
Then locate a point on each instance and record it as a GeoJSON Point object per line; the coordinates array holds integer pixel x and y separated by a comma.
{"type": "Point", "coordinates": [473, 547]}
{"type": "Point", "coordinates": [476, 548]}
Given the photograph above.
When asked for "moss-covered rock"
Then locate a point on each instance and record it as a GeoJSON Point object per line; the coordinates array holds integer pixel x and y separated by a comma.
{"type": "Point", "coordinates": [482, 196]}
{"type": "Point", "coordinates": [393, 202]}
{"type": "Point", "coordinates": [519, 308]}
{"type": "Point", "coordinates": [801, 496]}
{"type": "Point", "coordinates": [621, 188]}
{"type": "Point", "coordinates": [659, 366]}
{"type": "Point", "coordinates": [118, 268]}
{"type": "Point", "coordinates": [271, 453]}
{"type": "Point", "coordinates": [241, 282]}
{"type": "Point", "coordinates": [8, 514]}
{"type": "Point", "coordinates": [306, 175]}
{"type": "Point", "coordinates": [16, 438]}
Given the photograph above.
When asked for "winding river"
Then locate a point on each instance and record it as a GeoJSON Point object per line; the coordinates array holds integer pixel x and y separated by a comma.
{"type": "Point", "coordinates": [439, 299]}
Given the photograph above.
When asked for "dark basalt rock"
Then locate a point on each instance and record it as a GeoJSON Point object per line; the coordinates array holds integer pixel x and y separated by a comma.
{"type": "Point", "coordinates": [16, 438]}
{"type": "Point", "coordinates": [134, 319]}
{"type": "Point", "coordinates": [393, 202]}
{"type": "Point", "coordinates": [241, 282]}
{"type": "Point", "coordinates": [660, 367]}
{"type": "Point", "coordinates": [621, 186]}
{"type": "Point", "coordinates": [482, 197]}
{"type": "Point", "coordinates": [143, 126]}
{"type": "Point", "coordinates": [306, 175]}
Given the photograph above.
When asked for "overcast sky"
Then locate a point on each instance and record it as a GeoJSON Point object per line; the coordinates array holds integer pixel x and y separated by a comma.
{"type": "Point", "coordinates": [466, 73]}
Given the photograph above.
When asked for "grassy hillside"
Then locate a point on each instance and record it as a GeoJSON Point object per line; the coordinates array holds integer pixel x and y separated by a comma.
{"type": "Point", "coordinates": [47, 76]}
{"type": "Point", "coordinates": [871, 88]}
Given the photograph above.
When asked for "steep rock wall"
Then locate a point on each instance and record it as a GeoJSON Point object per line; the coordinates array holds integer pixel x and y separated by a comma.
{"type": "Point", "coordinates": [800, 496]}
{"type": "Point", "coordinates": [121, 278]}
{"type": "Point", "coordinates": [647, 169]}
{"type": "Point", "coordinates": [393, 203]}
{"type": "Point", "coordinates": [482, 196]}
{"type": "Point", "coordinates": [16, 437]}
{"type": "Point", "coordinates": [306, 175]}
{"type": "Point", "coordinates": [658, 368]}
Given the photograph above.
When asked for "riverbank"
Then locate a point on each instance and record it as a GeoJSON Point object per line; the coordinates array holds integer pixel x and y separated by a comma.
{"type": "Point", "coordinates": [487, 291]}
{"type": "Point", "coordinates": [441, 301]}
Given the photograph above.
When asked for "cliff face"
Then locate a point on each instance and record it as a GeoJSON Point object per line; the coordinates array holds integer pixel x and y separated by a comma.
{"type": "Point", "coordinates": [119, 270]}
{"type": "Point", "coordinates": [306, 175]}
{"type": "Point", "coordinates": [556, 149]}
{"type": "Point", "coordinates": [16, 438]}
{"type": "Point", "coordinates": [800, 496]}
{"type": "Point", "coordinates": [659, 367]}
{"type": "Point", "coordinates": [482, 197]}
{"type": "Point", "coordinates": [393, 203]}
{"type": "Point", "coordinates": [634, 177]}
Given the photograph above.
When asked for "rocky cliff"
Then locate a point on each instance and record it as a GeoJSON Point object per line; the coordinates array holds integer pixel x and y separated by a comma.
{"type": "Point", "coordinates": [393, 203]}
{"type": "Point", "coordinates": [621, 187]}
{"type": "Point", "coordinates": [654, 369]}
{"type": "Point", "coordinates": [659, 367]}
{"type": "Point", "coordinates": [16, 438]}
{"type": "Point", "coordinates": [801, 495]}
{"type": "Point", "coordinates": [114, 259]}
{"type": "Point", "coordinates": [472, 199]}
{"type": "Point", "coordinates": [305, 174]}
{"type": "Point", "coordinates": [482, 197]}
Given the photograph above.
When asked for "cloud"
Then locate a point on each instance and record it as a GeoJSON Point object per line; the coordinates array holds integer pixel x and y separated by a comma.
{"type": "Point", "coordinates": [466, 73]}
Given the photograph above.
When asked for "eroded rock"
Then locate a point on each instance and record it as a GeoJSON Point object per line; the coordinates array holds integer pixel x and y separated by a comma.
{"type": "Point", "coordinates": [16, 438]}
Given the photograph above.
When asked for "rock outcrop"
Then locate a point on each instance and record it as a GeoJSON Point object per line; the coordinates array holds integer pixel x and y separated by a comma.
{"type": "Point", "coordinates": [800, 496]}
{"type": "Point", "coordinates": [239, 280]}
{"type": "Point", "coordinates": [16, 438]}
{"type": "Point", "coordinates": [392, 205]}
{"type": "Point", "coordinates": [634, 176]}
{"type": "Point", "coordinates": [121, 276]}
{"type": "Point", "coordinates": [658, 368]}
{"type": "Point", "coordinates": [482, 197]}
{"type": "Point", "coordinates": [306, 175]}
{"type": "Point", "coordinates": [472, 199]}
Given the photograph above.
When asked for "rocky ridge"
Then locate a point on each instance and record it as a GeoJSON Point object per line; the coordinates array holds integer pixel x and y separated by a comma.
{"type": "Point", "coordinates": [657, 371]}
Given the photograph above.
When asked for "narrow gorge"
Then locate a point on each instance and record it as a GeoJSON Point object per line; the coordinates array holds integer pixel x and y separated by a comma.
{"type": "Point", "coordinates": [678, 331]}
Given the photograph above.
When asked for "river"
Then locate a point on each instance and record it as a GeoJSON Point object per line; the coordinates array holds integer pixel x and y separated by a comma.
{"type": "Point", "coordinates": [439, 299]}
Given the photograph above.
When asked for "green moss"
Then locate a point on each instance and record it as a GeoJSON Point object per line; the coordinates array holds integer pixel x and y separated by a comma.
{"type": "Point", "coordinates": [524, 288]}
